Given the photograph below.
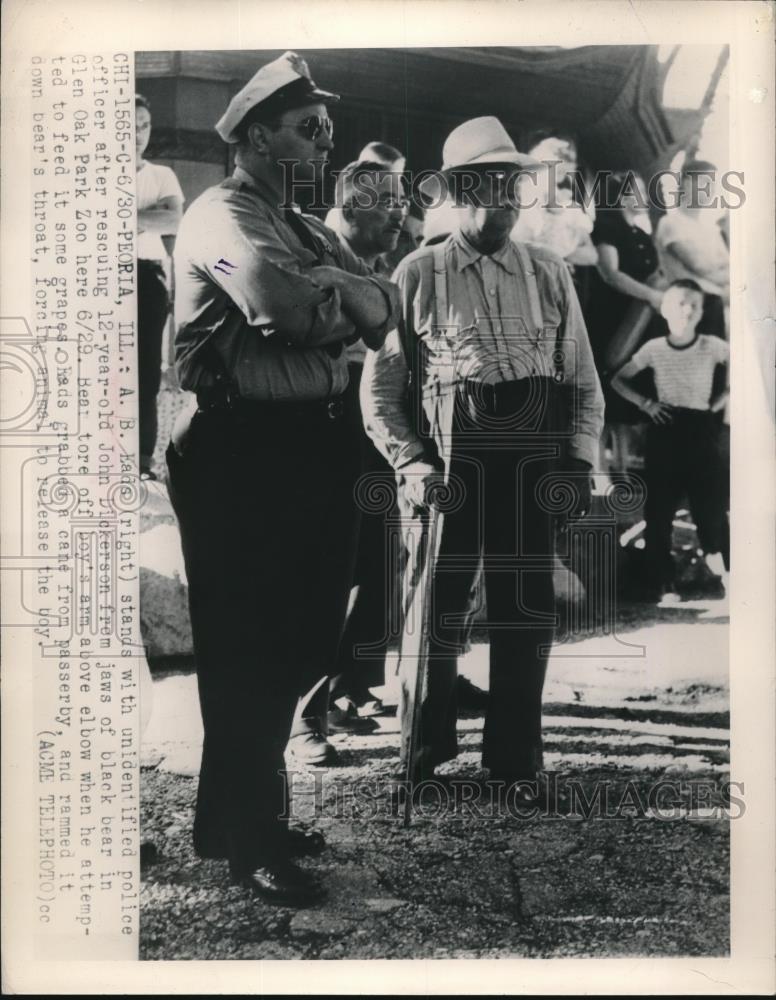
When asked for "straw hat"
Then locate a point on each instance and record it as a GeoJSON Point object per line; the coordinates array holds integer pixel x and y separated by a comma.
{"type": "Point", "coordinates": [477, 142]}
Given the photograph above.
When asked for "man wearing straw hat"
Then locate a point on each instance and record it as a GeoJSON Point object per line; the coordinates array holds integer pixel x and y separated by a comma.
{"type": "Point", "coordinates": [262, 475]}
{"type": "Point", "coordinates": [488, 375]}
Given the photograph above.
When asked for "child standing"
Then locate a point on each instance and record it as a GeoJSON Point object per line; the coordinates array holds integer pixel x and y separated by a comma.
{"type": "Point", "coordinates": [682, 452]}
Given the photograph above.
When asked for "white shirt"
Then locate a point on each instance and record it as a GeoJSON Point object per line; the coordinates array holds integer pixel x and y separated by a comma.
{"type": "Point", "coordinates": [700, 230]}
{"type": "Point", "coordinates": [561, 230]}
{"type": "Point", "coordinates": [154, 182]}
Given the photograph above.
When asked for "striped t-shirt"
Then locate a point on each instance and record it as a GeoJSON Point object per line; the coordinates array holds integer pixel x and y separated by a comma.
{"type": "Point", "coordinates": [684, 376]}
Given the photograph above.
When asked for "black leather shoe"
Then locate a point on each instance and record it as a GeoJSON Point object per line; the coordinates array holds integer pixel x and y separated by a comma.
{"type": "Point", "coordinates": [347, 720]}
{"type": "Point", "coordinates": [305, 843]}
{"type": "Point", "coordinates": [279, 882]}
{"type": "Point", "coordinates": [313, 749]}
{"type": "Point", "coordinates": [523, 791]}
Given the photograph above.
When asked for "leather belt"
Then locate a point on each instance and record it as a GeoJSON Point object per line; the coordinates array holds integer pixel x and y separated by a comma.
{"type": "Point", "coordinates": [308, 409]}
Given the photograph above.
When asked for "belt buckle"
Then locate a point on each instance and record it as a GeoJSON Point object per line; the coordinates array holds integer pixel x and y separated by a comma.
{"type": "Point", "coordinates": [335, 408]}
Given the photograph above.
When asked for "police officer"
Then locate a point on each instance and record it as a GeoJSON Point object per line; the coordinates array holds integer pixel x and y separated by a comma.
{"type": "Point", "coordinates": [262, 475]}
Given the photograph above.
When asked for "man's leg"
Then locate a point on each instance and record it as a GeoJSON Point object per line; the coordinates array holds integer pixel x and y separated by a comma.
{"type": "Point", "coordinates": [705, 487]}
{"type": "Point", "coordinates": [250, 525]}
{"type": "Point", "coordinates": [332, 555]}
{"type": "Point", "coordinates": [246, 691]}
{"type": "Point", "coordinates": [360, 663]}
{"type": "Point", "coordinates": [456, 568]}
{"type": "Point", "coordinates": [518, 563]}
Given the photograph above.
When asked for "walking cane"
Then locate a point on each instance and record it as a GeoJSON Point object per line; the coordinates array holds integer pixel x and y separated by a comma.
{"type": "Point", "coordinates": [435, 521]}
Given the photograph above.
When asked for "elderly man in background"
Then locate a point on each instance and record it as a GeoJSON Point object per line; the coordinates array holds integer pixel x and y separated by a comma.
{"type": "Point", "coordinates": [411, 233]}
{"type": "Point", "coordinates": [262, 475]}
{"type": "Point", "coordinates": [374, 208]}
{"type": "Point", "coordinates": [370, 205]}
{"type": "Point", "coordinates": [466, 391]}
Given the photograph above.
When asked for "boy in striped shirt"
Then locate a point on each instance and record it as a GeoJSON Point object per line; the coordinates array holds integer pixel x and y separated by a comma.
{"type": "Point", "coordinates": [682, 452]}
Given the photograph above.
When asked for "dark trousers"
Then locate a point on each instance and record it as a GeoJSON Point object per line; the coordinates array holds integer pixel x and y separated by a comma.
{"type": "Point", "coordinates": [153, 305]}
{"type": "Point", "coordinates": [684, 458]}
{"type": "Point", "coordinates": [502, 449]}
{"type": "Point", "coordinates": [361, 660]}
{"type": "Point", "coordinates": [268, 521]}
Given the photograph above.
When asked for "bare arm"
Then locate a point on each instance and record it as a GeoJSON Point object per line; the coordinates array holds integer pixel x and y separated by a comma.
{"type": "Point", "coordinates": [659, 413]}
{"type": "Point", "coordinates": [609, 269]}
{"type": "Point", "coordinates": [163, 218]}
{"type": "Point", "coordinates": [695, 260]}
{"type": "Point", "coordinates": [718, 403]}
{"type": "Point", "coordinates": [585, 253]}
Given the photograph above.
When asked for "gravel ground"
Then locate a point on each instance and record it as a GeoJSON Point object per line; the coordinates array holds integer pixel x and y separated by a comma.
{"type": "Point", "coordinates": [468, 880]}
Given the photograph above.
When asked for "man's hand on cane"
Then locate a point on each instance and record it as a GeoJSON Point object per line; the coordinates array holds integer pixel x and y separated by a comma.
{"type": "Point", "coordinates": [582, 485]}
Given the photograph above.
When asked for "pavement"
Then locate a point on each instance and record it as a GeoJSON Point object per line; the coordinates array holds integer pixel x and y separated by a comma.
{"type": "Point", "coordinates": [637, 744]}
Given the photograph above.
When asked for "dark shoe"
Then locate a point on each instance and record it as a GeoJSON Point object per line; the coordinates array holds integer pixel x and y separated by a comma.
{"type": "Point", "coordinates": [148, 474]}
{"type": "Point", "coordinates": [314, 749]}
{"type": "Point", "coordinates": [279, 882]}
{"type": "Point", "coordinates": [305, 843]}
{"type": "Point", "coordinates": [470, 697]}
{"type": "Point", "coordinates": [371, 708]}
{"type": "Point", "coordinates": [523, 791]}
{"type": "Point", "coordinates": [343, 717]}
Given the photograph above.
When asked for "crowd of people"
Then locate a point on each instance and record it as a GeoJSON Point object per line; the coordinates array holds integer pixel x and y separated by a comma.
{"type": "Point", "coordinates": [430, 347]}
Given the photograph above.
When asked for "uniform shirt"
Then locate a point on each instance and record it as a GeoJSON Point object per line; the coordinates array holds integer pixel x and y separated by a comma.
{"type": "Point", "coordinates": [494, 339]}
{"type": "Point", "coordinates": [242, 284]}
{"type": "Point", "coordinates": [703, 232]}
{"type": "Point", "coordinates": [154, 182]}
{"type": "Point", "coordinates": [684, 376]}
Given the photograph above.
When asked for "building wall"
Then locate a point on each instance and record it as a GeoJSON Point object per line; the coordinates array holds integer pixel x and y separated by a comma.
{"type": "Point", "coordinates": [607, 95]}
{"type": "Point", "coordinates": [184, 113]}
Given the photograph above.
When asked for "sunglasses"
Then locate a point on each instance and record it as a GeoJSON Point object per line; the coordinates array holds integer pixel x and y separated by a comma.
{"type": "Point", "coordinates": [311, 128]}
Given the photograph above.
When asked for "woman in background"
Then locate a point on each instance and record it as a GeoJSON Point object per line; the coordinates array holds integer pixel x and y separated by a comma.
{"type": "Point", "coordinates": [624, 300]}
{"type": "Point", "coordinates": [551, 214]}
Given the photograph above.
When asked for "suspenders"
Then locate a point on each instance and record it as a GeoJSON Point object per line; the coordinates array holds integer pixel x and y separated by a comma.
{"type": "Point", "coordinates": [534, 305]}
{"type": "Point", "coordinates": [441, 318]}
{"type": "Point", "coordinates": [440, 287]}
